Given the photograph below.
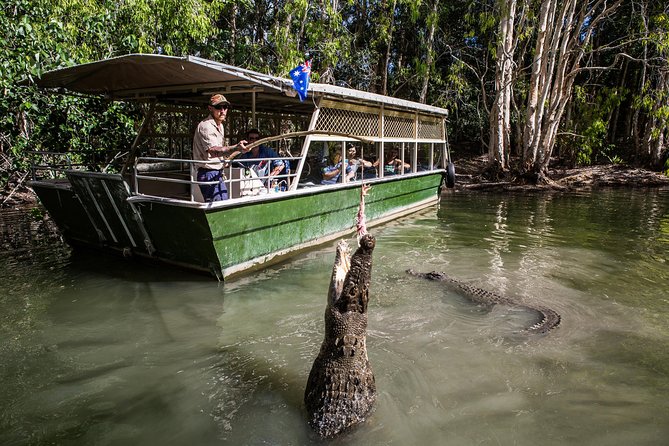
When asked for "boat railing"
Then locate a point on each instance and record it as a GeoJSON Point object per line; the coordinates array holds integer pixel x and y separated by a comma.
{"type": "Point", "coordinates": [49, 165]}
{"type": "Point", "coordinates": [177, 178]}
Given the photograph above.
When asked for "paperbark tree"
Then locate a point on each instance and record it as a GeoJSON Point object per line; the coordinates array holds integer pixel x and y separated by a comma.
{"type": "Point", "coordinates": [383, 43]}
{"type": "Point", "coordinates": [657, 127]}
{"type": "Point", "coordinates": [642, 81]}
{"type": "Point", "coordinates": [564, 34]}
{"type": "Point", "coordinates": [500, 114]}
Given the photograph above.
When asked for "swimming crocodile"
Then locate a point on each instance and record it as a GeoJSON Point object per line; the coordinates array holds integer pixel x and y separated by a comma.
{"type": "Point", "coordinates": [341, 390]}
{"type": "Point", "coordinates": [549, 318]}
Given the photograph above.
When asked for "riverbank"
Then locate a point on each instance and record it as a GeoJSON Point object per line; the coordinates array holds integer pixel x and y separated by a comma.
{"type": "Point", "coordinates": [471, 175]}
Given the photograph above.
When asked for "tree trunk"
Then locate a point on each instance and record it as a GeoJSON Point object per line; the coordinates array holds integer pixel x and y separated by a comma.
{"type": "Point", "coordinates": [233, 32]}
{"type": "Point", "coordinates": [538, 79]}
{"type": "Point", "coordinates": [500, 116]}
{"type": "Point", "coordinates": [614, 115]}
{"type": "Point", "coordinates": [657, 128]}
{"type": "Point", "coordinates": [559, 51]}
{"type": "Point", "coordinates": [636, 132]}
{"type": "Point", "coordinates": [429, 50]}
{"type": "Point", "coordinates": [386, 62]}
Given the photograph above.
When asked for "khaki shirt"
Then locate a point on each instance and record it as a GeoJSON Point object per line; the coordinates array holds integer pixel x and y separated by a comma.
{"type": "Point", "coordinates": [207, 135]}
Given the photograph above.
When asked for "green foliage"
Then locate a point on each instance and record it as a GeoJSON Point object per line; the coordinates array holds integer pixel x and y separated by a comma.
{"type": "Point", "coordinates": [593, 126]}
{"type": "Point", "coordinates": [482, 21]}
{"type": "Point", "coordinates": [655, 102]}
{"type": "Point", "coordinates": [660, 33]}
{"type": "Point", "coordinates": [349, 42]}
{"type": "Point", "coordinates": [36, 214]}
{"type": "Point", "coordinates": [286, 43]}
{"type": "Point", "coordinates": [327, 39]}
{"type": "Point", "coordinates": [173, 26]}
{"type": "Point", "coordinates": [594, 137]}
{"type": "Point", "coordinates": [40, 35]}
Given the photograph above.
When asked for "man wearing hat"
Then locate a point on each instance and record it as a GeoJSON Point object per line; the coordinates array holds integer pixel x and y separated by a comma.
{"type": "Point", "coordinates": [208, 147]}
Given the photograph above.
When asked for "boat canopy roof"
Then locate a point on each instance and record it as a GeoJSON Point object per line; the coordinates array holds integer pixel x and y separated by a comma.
{"type": "Point", "coordinates": [191, 80]}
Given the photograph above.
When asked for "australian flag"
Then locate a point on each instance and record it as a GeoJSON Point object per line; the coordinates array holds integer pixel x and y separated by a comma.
{"type": "Point", "coordinates": [300, 75]}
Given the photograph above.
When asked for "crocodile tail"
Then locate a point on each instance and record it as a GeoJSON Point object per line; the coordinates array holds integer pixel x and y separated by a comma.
{"type": "Point", "coordinates": [550, 319]}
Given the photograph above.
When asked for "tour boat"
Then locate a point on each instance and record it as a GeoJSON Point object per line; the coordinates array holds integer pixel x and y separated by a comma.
{"type": "Point", "coordinates": [143, 200]}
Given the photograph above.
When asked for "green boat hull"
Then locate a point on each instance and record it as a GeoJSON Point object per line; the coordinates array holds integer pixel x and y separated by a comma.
{"type": "Point", "coordinates": [230, 237]}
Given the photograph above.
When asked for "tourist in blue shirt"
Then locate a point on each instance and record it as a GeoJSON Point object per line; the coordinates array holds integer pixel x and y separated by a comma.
{"type": "Point", "coordinates": [262, 151]}
{"type": "Point", "coordinates": [332, 172]}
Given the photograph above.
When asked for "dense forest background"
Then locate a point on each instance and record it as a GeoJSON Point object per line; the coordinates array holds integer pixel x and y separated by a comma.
{"type": "Point", "coordinates": [527, 82]}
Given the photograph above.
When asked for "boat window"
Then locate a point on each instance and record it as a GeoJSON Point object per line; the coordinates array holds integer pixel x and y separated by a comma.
{"type": "Point", "coordinates": [396, 159]}
{"type": "Point", "coordinates": [425, 157]}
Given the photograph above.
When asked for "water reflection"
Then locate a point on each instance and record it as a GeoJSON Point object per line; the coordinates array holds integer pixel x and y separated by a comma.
{"type": "Point", "coordinates": [99, 351]}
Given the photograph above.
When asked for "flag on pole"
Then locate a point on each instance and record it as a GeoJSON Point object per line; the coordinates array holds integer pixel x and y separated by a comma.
{"type": "Point", "coordinates": [300, 75]}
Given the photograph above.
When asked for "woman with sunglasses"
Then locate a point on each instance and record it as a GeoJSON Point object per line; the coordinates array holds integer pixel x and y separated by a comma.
{"type": "Point", "coordinates": [208, 147]}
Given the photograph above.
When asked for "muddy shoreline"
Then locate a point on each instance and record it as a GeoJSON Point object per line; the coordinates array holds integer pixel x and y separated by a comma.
{"type": "Point", "coordinates": [471, 175]}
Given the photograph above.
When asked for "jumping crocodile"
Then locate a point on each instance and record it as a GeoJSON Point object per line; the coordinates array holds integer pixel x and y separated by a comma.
{"type": "Point", "coordinates": [341, 390]}
{"type": "Point", "coordinates": [549, 318]}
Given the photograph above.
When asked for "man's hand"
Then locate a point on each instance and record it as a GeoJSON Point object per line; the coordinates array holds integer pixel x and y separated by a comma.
{"type": "Point", "coordinates": [242, 146]}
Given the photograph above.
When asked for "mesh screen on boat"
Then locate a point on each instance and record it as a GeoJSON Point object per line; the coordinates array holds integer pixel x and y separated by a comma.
{"type": "Point", "coordinates": [348, 121]}
{"type": "Point", "coordinates": [362, 123]}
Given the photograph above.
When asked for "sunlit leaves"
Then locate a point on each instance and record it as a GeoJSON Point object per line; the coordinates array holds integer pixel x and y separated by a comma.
{"type": "Point", "coordinates": [660, 35]}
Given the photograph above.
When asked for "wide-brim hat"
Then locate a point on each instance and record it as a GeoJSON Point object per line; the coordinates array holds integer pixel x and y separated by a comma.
{"type": "Point", "coordinates": [216, 99]}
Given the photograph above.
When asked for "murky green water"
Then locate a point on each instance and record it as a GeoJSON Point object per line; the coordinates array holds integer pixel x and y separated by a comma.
{"type": "Point", "coordinates": [94, 352]}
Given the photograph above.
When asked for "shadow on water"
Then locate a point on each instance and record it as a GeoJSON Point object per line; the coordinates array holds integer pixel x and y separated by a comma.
{"type": "Point", "coordinates": [92, 343]}
{"type": "Point", "coordinates": [134, 269]}
{"type": "Point", "coordinates": [248, 387]}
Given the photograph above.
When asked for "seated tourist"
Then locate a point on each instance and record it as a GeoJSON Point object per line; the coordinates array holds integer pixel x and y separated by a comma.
{"type": "Point", "coordinates": [394, 164]}
{"type": "Point", "coordinates": [332, 172]}
{"type": "Point", "coordinates": [262, 167]}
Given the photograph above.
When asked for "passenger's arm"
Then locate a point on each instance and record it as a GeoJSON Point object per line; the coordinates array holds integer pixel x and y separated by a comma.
{"type": "Point", "coordinates": [329, 174]}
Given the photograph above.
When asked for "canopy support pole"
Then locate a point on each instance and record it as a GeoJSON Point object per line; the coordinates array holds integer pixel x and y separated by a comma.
{"type": "Point", "coordinates": [135, 144]}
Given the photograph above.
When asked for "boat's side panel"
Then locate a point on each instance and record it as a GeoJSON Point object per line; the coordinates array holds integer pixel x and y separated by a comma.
{"type": "Point", "coordinates": [253, 231]}
{"type": "Point", "coordinates": [248, 232]}
{"type": "Point", "coordinates": [180, 235]}
{"type": "Point", "coordinates": [396, 195]}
